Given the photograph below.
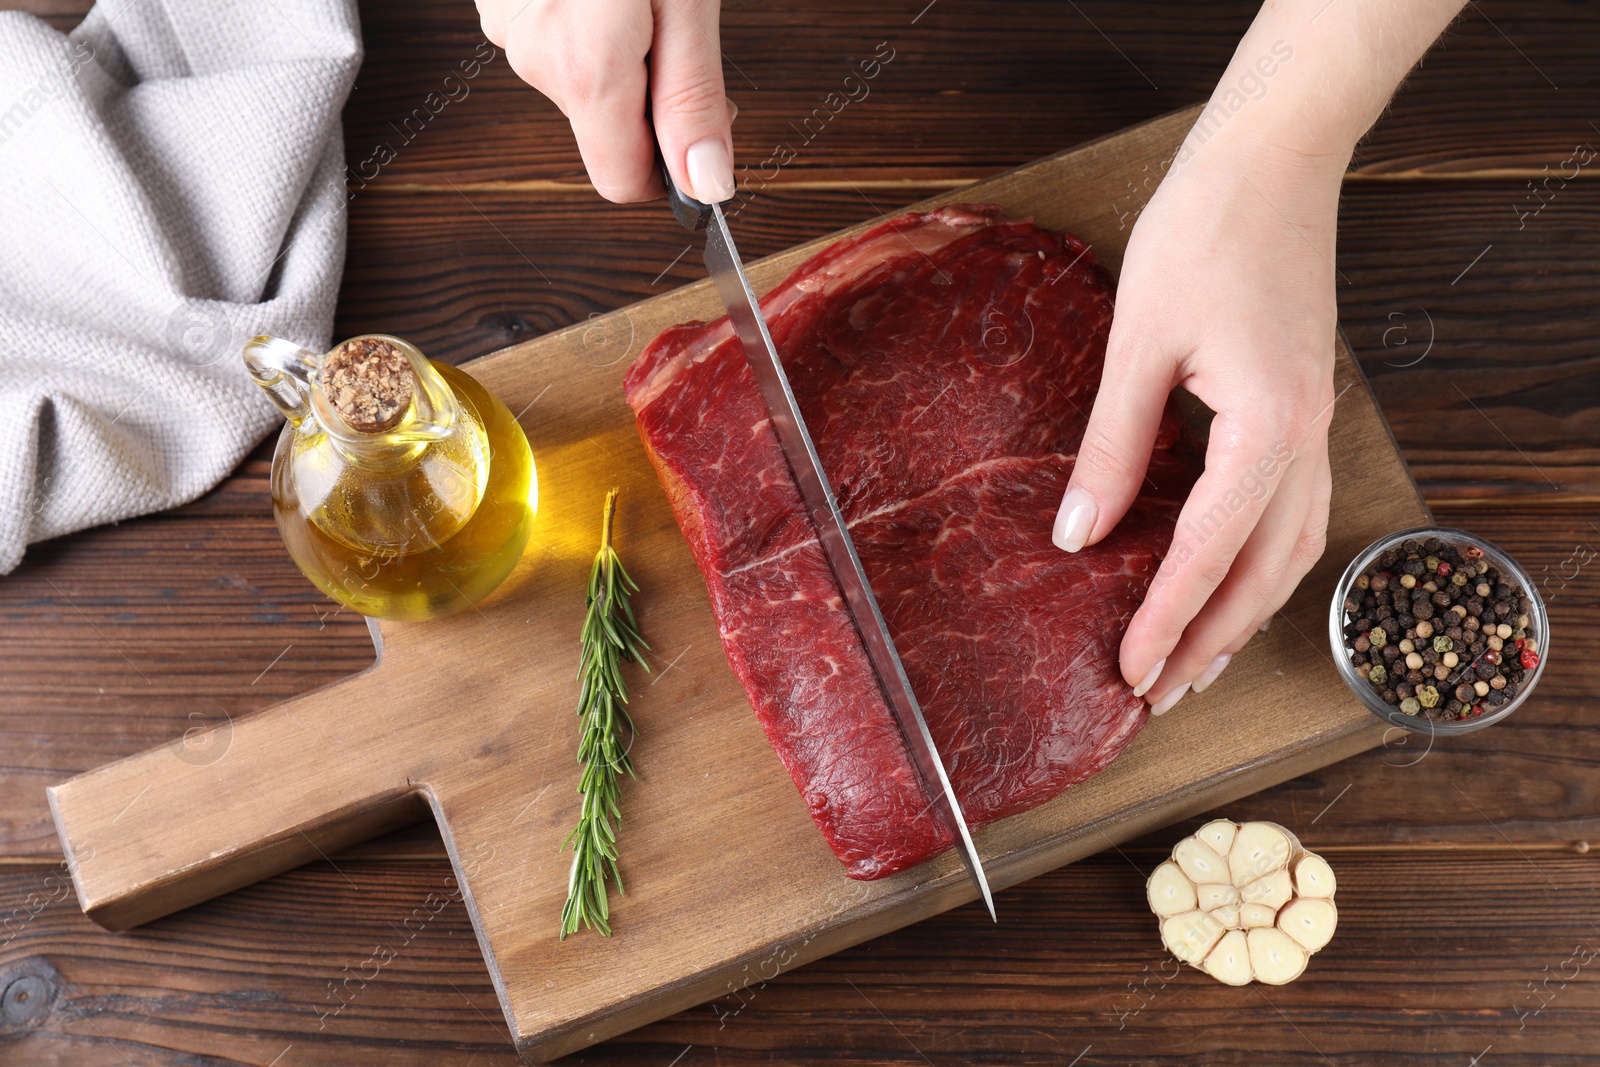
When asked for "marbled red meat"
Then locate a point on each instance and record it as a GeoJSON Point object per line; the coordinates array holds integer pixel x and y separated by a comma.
{"type": "Point", "coordinates": [946, 363]}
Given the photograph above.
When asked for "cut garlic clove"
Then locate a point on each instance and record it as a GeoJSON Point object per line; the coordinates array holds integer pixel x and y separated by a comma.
{"type": "Point", "coordinates": [1219, 834]}
{"type": "Point", "coordinates": [1275, 890]}
{"type": "Point", "coordinates": [1259, 848]}
{"type": "Point", "coordinates": [1275, 957]}
{"type": "Point", "coordinates": [1310, 921]}
{"type": "Point", "coordinates": [1200, 861]}
{"type": "Point", "coordinates": [1296, 849]}
{"type": "Point", "coordinates": [1229, 963]}
{"type": "Point", "coordinates": [1313, 877]}
{"type": "Point", "coordinates": [1211, 896]}
{"type": "Point", "coordinates": [1170, 892]}
{"type": "Point", "coordinates": [1227, 915]}
{"type": "Point", "coordinates": [1191, 936]}
{"type": "Point", "coordinates": [1254, 915]}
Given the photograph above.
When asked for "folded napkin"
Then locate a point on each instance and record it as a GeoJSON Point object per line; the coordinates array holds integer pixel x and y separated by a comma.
{"type": "Point", "coordinates": [171, 184]}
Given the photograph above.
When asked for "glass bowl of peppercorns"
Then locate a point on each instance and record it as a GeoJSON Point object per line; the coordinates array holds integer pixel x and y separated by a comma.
{"type": "Point", "coordinates": [1438, 631]}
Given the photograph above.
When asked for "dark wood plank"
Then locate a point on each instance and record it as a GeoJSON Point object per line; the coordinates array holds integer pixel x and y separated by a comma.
{"type": "Point", "coordinates": [973, 88]}
{"type": "Point", "coordinates": [1506, 401]}
{"type": "Point", "coordinates": [1432, 964]}
{"type": "Point", "coordinates": [333, 964]}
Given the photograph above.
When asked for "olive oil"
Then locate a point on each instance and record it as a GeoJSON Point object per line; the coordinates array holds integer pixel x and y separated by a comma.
{"type": "Point", "coordinates": [418, 520]}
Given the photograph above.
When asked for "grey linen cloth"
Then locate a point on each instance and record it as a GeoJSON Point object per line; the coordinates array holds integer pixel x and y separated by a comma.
{"type": "Point", "coordinates": [171, 184]}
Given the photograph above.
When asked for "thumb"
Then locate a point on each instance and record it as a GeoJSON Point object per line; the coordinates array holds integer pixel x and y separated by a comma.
{"type": "Point", "coordinates": [688, 102]}
{"type": "Point", "coordinates": [1116, 447]}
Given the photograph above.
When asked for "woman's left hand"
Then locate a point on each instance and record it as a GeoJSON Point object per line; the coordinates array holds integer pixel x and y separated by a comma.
{"type": "Point", "coordinates": [1227, 289]}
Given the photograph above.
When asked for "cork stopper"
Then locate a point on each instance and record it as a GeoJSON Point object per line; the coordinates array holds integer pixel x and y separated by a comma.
{"type": "Point", "coordinates": [369, 382]}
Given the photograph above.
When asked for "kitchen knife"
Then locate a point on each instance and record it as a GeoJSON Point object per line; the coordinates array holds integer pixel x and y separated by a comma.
{"type": "Point", "coordinates": [727, 273]}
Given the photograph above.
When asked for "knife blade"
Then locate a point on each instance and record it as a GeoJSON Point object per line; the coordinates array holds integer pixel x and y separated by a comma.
{"type": "Point", "coordinates": [744, 312]}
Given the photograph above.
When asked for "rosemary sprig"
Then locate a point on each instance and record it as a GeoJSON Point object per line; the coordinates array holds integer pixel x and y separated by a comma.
{"type": "Point", "coordinates": [610, 636]}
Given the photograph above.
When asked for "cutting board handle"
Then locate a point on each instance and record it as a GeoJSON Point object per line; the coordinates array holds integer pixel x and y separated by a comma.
{"type": "Point", "coordinates": [236, 803]}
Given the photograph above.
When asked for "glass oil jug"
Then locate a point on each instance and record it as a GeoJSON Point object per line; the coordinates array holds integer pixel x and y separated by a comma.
{"type": "Point", "coordinates": [402, 487]}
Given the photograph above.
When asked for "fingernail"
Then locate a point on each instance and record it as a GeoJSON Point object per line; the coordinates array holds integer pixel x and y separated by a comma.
{"type": "Point", "coordinates": [1266, 624]}
{"type": "Point", "coordinates": [710, 171]}
{"type": "Point", "coordinates": [1074, 519]}
{"type": "Point", "coordinates": [733, 109]}
{"type": "Point", "coordinates": [1209, 675]}
{"type": "Point", "coordinates": [1149, 679]}
{"type": "Point", "coordinates": [1161, 706]}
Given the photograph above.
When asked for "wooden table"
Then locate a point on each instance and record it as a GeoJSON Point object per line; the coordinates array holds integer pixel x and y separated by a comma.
{"type": "Point", "coordinates": [1469, 903]}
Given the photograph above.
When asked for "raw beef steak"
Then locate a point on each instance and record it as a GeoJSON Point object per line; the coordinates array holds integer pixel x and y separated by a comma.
{"type": "Point", "coordinates": [946, 363]}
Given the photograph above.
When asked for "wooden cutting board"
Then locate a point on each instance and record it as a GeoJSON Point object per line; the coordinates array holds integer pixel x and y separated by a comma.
{"type": "Point", "coordinates": [729, 882]}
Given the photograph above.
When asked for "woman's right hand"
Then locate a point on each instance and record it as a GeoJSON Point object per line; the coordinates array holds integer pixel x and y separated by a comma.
{"type": "Point", "coordinates": [589, 58]}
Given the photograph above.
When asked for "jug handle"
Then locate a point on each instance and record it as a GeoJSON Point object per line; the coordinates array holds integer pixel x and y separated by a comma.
{"type": "Point", "coordinates": [283, 371]}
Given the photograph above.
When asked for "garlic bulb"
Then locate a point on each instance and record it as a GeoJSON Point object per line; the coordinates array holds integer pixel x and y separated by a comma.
{"type": "Point", "coordinates": [1244, 903]}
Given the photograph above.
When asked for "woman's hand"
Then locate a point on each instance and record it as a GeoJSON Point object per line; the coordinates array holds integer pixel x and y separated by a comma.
{"type": "Point", "coordinates": [588, 57]}
{"type": "Point", "coordinates": [1227, 289]}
